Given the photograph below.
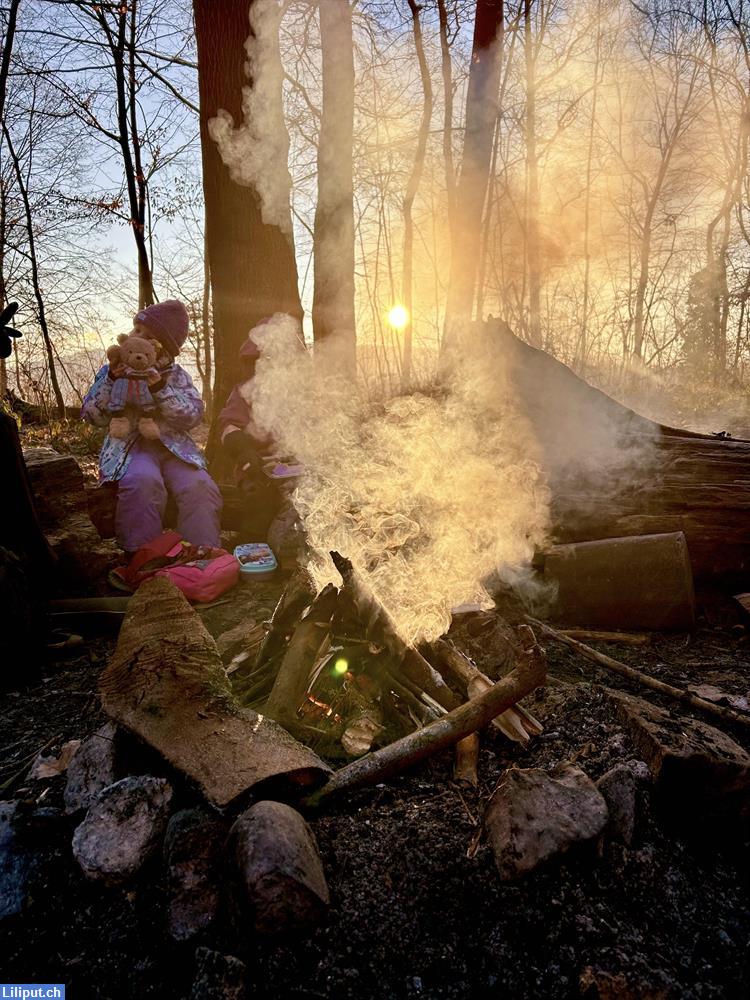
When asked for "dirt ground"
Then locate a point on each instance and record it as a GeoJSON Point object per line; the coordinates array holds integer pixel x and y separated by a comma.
{"type": "Point", "coordinates": [412, 915]}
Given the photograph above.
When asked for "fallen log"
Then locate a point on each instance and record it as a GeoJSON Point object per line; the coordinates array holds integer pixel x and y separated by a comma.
{"type": "Point", "coordinates": [166, 683]}
{"type": "Point", "coordinates": [382, 631]}
{"type": "Point", "coordinates": [645, 680]}
{"type": "Point", "coordinates": [529, 673]}
{"type": "Point", "coordinates": [614, 473]}
{"type": "Point", "coordinates": [301, 654]}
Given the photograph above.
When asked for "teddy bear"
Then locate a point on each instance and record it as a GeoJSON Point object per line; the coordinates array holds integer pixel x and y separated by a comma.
{"type": "Point", "coordinates": [133, 363]}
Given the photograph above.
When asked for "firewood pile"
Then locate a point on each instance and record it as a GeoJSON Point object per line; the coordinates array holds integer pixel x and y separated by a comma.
{"type": "Point", "coordinates": [333, 671]}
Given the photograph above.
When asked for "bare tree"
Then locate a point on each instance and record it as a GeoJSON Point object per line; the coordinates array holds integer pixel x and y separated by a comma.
{"type": "Point", "coordinates": [333, 240]}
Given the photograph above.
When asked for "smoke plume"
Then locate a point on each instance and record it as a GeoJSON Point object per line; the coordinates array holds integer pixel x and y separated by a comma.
{"type": "Point", "coordinates": [427, 494]}
{"type": "Point", "coordinates": [257, 151]}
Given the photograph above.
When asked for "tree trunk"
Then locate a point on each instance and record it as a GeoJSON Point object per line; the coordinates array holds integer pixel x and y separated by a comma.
{"type": "Point", "coordinates": [253, 269]}
{"type": "Point", "coordinates": [481, 112]}
{"type": "Point", "coordinates": [411, 192]}
{"type": "Point", "coordinates": [532, 185]}
{"type": "Point", "coordinates": [333, 239]}
{"type": "Point", "coordinates": [41, 312]}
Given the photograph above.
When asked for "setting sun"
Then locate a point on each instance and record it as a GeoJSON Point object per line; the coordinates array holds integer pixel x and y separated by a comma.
{"type": "Point", "coordinates": [398, 317]}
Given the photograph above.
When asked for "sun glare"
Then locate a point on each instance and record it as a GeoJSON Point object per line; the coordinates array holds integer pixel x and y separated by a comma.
{"type": "Point", "coordinates": [398, 317]}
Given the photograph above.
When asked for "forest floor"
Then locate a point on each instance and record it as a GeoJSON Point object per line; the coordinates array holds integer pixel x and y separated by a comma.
{"type": "Point", "coordinates": [412, 914]}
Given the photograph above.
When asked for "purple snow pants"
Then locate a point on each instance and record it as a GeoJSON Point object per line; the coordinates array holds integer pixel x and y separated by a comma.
{"type": "Point", "coordinates": [142, 497]}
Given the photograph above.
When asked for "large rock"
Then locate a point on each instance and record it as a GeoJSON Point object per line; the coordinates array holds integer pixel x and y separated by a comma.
{"type": "Point", "coordinates": [193, 849]}
{"type": "Point", "coordinates": [701, 776]}
{"type": "Point", "coordinates": [123, 828]}
{"type": "Point", "coordinates": [166, 683]}
{"type": "Point", "coordinates": [92, 769]}
{"type": "Point", "coordinates": [218, 977]}
{"type": "Point", "coordinates": [534, 816]}
{"type": "Point", "coordinates": [16, 864]}
{"type": "Point", "coordinates": [281, 870]}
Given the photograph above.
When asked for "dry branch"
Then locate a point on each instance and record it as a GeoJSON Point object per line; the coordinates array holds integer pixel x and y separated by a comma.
{"type": "Point", "coordinates": [645, 680]}
{"type": "Point", "coordinates": [530, 671]}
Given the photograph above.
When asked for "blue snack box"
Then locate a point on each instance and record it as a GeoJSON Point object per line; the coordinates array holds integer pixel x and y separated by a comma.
{"type": "Point", "coordinates": [257, 561]}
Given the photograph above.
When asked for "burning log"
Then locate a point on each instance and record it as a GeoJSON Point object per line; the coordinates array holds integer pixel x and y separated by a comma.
{"type": "Point", "coordinates": [301, 654]}
{"type": "Point", "coordinates": [166, 683]}
{"type": "Point", "coordinates": [529, 673]}
{"type": "Point", "coordinates": [640, 678]}
{"type": "Point", "coordinates": [381, 630]}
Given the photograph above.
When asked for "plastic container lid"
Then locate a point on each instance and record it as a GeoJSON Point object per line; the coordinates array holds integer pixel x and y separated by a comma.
{"type": "Point", "coordinates": [257, 561]}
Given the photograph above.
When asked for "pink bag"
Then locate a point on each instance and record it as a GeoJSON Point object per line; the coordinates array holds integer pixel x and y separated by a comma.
{"type": "Point", "coordinates": [201, 573]}
{"type": "Point", "coordinates": [203, 580]}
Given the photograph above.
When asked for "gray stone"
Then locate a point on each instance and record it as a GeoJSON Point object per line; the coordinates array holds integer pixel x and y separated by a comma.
{"type": "Point", "coordinates": [281, 870]}
{"type": "Point", "coordinates": [123, 828]}
{"type": "Point", "coordinates": [218, 977]}
{"type": "Point", "coordinates": [92, 769]}
{"type": "Point", "coordinates": [619, 788]}
{"type": "Point", "coordinates": [16, 864]}
{"type": "Point", "coordinates": [701, 776]}
{"type": "Point", "coordinates": [534, 816]}
{"type": "Point", "coordinates": [193, 849]}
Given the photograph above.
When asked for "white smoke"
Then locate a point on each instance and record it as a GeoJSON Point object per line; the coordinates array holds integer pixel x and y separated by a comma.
{"type": "Point", "coordinates": [427, 494]}
{"type": "Point", "coordinates": [257, 151]}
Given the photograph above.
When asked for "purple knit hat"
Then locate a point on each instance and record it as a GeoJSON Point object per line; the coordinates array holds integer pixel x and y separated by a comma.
{"type": "Point", "coordinates": [168, 321]}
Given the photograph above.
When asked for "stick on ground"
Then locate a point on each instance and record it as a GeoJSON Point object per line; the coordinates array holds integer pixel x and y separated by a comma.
{"type": "Point", "coordinates": [640, 678]}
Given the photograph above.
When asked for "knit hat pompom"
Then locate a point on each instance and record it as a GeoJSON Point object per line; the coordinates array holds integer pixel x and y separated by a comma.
{"type": "Point", "coordinates": [168, 321]}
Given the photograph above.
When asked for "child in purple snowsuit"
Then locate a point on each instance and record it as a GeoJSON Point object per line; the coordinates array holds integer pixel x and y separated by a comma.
{"type": "Point", "coordinates": [146, 471]}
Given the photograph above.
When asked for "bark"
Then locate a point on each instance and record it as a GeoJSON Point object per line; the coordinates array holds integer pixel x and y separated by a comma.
{"type": "Point", "coordinates": [407, 283]}
{"type": "Point", "coordinates": [166, 683]}
{"type": "Point", "coordinates": [333, 240]}
{"type": "Point", "coordinates": [253, 268]}
{"type": "Point", "coordinates": [481, 112]}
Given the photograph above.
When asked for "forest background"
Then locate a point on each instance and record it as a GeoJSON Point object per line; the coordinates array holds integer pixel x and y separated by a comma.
{"type": "Point", "coordinates": [613, 231]}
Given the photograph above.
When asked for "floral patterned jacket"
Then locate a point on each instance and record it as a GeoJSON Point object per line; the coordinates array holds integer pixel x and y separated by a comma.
{"type": "Point", "coordinates": [178, 409]}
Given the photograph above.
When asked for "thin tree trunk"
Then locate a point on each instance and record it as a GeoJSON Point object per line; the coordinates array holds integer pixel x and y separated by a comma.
{"type": "Point", "coordinates": [412, 187]}
{"type": "Point", "coordinates": [481, 113]}
{"type": "Point", "coordinates": [145, 276]}
{"type": "Point", "coordinates": [60, 402]}
{"type": "Point", "coordinates": [532, 185]}
{"type": "Point", "coordinates": [10, 33]}
{"type": "Point", "coordinates": [208, 397]}
{"type": "Point", "coordinates": [583, 346]}
{"type": "Point", "coordinates": [446, 67]}
{"type": "Point", "coordinates": [333, 240]}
